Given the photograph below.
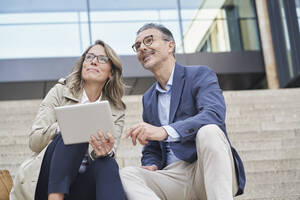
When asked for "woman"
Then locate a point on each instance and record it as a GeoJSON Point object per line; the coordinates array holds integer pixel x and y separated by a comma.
{"type": "Point", "coordinates": [73, 171]}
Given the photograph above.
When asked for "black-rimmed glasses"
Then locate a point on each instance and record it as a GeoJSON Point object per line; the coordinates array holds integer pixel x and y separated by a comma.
{"type": "Point", "coordinates": [101, 59]}
{"type": "Point", "coordinates": [147, 41]}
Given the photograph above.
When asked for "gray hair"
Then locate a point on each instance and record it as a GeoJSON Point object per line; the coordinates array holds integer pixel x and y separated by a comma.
{"type": "Point", "coordinates": [165, 31]}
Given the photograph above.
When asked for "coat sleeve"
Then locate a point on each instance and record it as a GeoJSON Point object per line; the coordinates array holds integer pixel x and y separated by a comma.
{"type": "Point", "coordinates": [210, 106]}
{"type": "Point", "coordinates": [151, 153]}
{"type": "Point", "coordinates": [44, 126]}
{"type": "Point", "coordinates": [119, 121]}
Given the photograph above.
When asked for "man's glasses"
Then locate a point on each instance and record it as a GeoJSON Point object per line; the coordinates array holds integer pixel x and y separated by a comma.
{"type": "Point", "coordinates": [101, 59]}
{"type": "Point", "coordinates": [148, 40]}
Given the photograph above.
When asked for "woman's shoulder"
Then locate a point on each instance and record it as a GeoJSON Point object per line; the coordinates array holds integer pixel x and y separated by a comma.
{"type": "Point", "coordinates": [60, 86]}
{"type": "Point", "coordinates": [59, 90]}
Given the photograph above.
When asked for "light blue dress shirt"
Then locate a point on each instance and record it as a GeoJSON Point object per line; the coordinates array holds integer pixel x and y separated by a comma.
{"type": "Point", "coordinates": [164, 100]}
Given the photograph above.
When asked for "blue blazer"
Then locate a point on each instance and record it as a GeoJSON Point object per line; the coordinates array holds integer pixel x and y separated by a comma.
{"type": "Point", "coordinates": [196, 100]}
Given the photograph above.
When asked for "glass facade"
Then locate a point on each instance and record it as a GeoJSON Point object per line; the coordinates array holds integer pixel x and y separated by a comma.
{"type": "Point", "coordinates": [284, 19]}
{"type": "Point", "coordinates": [62, 30]}
{"type": "Point", "coordinates": [31, 35]}
{"type": "Point", "coordinates": [33, 31]}
{"type": "Point", "coordinates": [297, 2]}
{"type": "Point", "coordinates": [286, 38]}
{"type": "Point", "coordinates": [232, 27]}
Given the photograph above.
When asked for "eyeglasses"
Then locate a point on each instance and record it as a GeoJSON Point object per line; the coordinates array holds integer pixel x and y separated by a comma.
{"type": "Point", "coordinates": [147, 41]}
{"type": "Point", "coordinates": [101, 59]}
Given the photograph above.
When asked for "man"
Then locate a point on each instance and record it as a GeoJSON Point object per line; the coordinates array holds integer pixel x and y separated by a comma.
{"type": "Point", "coordinates": [187, 154]}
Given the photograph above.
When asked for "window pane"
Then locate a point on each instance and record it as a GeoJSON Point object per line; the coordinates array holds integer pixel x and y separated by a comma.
{"type": "Point", "coordinates": [25, 41]}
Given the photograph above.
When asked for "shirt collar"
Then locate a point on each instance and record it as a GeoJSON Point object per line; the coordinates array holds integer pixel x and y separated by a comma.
{"type": "Point", "coordinates": [169, 84]}
{"type": "Point", "coordinates": [85, 99]}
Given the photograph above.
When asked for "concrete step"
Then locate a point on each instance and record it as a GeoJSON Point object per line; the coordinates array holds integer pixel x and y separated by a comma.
{"type": "Point", "coordinates": [272, 165]}
{"type": "Point", "coordinates": [273, 190]}
{"type": "Point", "coordinates": [9, 140]}
{"type": "Point", "coordinates": [285, 197]}
{"type": "Point", "coordinates": [263, 126]}
{"type": "Point", "coordinates": [270, 154]}
{"type": "Point", "coordinates": [277, 176]}
{"type": "Point", "coordinates": [14, 149]}
{"type": "Point", "coordinates": [265, 144]}
{"type": "Point", "coordinates": [248, 135]}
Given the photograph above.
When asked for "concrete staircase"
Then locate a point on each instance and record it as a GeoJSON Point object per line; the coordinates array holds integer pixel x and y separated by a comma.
{"type": "Point", "coordinates": [263, 125]}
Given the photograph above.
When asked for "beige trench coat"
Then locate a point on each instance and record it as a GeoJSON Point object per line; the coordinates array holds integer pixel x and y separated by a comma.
{"type": "Point", "coordinates": [43, 131]}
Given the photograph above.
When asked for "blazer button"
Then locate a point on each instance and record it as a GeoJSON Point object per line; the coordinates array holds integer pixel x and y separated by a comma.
{"type": "Point", "coordinates": [191, 130]}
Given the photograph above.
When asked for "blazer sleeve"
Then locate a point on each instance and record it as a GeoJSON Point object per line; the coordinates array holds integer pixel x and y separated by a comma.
{"type": "Point", "coordinates": [151, 153]}
{"type": "Point", "coordinates": [210, 106]}
{"type": "Point", "coordinates": [44, 126]}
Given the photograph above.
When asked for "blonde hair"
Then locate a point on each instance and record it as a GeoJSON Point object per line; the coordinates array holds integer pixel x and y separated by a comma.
{"type": "Point", "coordinates": [113, 88]}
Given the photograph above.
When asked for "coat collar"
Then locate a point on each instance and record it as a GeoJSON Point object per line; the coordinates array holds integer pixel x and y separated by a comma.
{"type": "Point", "coordinates": [69, 95]}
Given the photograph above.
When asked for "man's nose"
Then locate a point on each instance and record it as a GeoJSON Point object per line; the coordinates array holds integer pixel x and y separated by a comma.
{"type": "Point", "coordinates": [142, 47]}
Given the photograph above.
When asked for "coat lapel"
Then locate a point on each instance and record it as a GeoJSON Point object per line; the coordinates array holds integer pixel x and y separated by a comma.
{"type": "Point", "coordinates": [177, 86]}
{"type": "Point", "coordinates": [67, 94]}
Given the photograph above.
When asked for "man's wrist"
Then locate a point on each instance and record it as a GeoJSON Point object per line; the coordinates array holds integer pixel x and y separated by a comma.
{"type": "Point", "coordinates": [164, 133]}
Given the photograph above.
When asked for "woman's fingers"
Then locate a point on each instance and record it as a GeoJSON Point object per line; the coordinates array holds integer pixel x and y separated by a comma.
{"type": "Point", "coordinates": [102, 146]}
{"type": "Point", "coordinates": [101, 137]}
{"type": "Point", "coordinates": [111, 139]}
{"type": "Point", "coordinates": [93, 142]}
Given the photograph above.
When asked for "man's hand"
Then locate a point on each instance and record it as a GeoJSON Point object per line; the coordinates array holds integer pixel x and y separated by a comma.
{"type": "Point", "coordinates": [151, 168]}
{"type": "Point", "coordinates": [144, 132]}
{"type": "Point", "coordinates": [102, 146]}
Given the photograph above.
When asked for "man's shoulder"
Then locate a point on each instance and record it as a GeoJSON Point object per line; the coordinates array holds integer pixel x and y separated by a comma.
{"type": "Point", "coordinates": [198, 72]}
{"type": "Point", "coordinates": [198, 69]}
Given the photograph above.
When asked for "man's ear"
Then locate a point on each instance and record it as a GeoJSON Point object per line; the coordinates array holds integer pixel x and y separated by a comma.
{"type": "Point", "coordinates": [171, 46]}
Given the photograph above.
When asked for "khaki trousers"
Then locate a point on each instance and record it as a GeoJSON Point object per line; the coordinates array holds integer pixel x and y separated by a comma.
{"type": "Point", "coordinates": [211, 177]}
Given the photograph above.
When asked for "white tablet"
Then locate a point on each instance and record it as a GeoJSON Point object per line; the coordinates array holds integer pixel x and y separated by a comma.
{"type": "Point", "coordinates": [78, 122]}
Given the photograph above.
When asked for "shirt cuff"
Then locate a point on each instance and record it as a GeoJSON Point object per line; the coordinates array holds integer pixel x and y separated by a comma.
{"type": "Point", "coordinates": [173, 136]}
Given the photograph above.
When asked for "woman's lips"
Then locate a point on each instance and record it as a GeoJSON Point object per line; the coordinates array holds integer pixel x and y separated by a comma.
{"type": "Point", "coordinates": [92, 69]}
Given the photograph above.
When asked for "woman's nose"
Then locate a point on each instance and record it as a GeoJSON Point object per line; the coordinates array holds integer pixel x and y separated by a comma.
{"type": "Point", "coordinates": [94, 61]}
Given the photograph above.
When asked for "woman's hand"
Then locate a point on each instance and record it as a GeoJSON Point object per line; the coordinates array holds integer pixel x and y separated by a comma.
{"type": "Point", "coordinates": [102, 146]}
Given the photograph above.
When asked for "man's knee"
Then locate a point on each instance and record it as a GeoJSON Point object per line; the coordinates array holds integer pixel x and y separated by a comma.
{"type": "Point", "coordinates": [128, 171]}
{"type": "Point", "coordinates": [209, 137]}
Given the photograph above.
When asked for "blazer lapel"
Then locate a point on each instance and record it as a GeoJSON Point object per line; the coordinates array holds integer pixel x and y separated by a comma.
{"type": "Point", "coordinates": [177, 86]}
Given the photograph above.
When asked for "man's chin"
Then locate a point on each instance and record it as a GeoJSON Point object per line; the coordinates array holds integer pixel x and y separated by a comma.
{"type": "Point", "coordinates": [147, 65]}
